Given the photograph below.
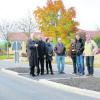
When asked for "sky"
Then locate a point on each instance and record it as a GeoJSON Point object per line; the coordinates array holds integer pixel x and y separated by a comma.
{"type": "Point", "coordinates": [88, 14]}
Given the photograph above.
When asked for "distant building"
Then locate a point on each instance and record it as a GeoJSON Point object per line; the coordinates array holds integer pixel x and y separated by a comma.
{"type": "Point", "coordinates": [92, 33]}
{"type": "Point", "coordinates": [18, 36]}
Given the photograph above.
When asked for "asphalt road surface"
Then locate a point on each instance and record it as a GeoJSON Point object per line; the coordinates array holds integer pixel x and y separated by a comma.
{"type": "Point", "coordinates": [15, 88]}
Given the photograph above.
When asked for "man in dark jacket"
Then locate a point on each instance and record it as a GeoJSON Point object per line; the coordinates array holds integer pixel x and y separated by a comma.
{"type": "Point", "coordinates": [41, 53]}
{"type": "Point", "coordinates": [32, 55]}
{"type": "Point", "coordinates": [79, 55]}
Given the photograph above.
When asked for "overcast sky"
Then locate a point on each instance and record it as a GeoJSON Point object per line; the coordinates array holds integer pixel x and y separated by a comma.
{"type": "Point", "coordinates": [88, 13]}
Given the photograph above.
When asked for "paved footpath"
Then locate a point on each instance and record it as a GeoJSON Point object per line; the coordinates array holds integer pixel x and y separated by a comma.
{"type": "Point", "coordinates": [68, 68]}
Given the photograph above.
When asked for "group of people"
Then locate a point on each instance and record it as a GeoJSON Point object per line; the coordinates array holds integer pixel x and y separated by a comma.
{"type": "Point", "coordinates": [80, 49]}
{"type": "Point", "coordinates": [38, 51]}
{"type": "Point", "coordinates": [41, 52]}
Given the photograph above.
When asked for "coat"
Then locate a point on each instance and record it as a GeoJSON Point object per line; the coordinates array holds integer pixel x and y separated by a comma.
{"type": "Point", "coordinates": [32, 53]}
{"type": "Point", "coordinates": [90, 48]}
{"type": "Point", "coordinates": [60, 49]}
{"type": "Point", "coordinates": [41, 49]}
{"type": "Point", "coordinates": [49, 52]}
{"type": "Point", "coordinates": [72, 50]}
{"type": "Point", "coordinates": [79, 47]}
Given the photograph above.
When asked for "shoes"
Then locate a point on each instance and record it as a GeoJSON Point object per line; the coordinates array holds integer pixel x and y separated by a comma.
{"type": "Point", "coordinates": [80, 74]}
{"type": "Point", "coordinates": [42, 73]}
{"type": "Point", "coordinates": [62, 73]}
{"type": "Point", "coordinates": [33, 75]}
{"type": "Point", "coordinates": [88, 75]}
{"type": "Point", "coordinates": [74, 73]}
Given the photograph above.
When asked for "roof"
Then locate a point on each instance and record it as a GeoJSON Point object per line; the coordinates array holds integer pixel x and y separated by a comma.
{"type": "Point", "coordinates": [92, 33]}
{"type": "Point", "coordinates": [17, 36]}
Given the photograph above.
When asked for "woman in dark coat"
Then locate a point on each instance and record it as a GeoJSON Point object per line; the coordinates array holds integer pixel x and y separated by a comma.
{"type": "Point", "coordinates": [72, 54]}
{"type": "Point", "coordinates": [33, 56]}
{"type": "Point", "coordinates": [49, 54]}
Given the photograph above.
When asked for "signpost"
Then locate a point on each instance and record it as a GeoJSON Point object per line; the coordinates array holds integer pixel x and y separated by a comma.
{"type": "Point", "coordinates": [16, 47]}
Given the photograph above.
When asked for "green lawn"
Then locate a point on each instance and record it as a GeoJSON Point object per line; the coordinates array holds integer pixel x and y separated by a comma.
{"type": "Point", "coordinates": [3, 57]}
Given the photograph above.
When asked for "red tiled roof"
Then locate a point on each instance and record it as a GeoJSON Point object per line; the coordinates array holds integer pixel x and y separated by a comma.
{"type": "Point", "coordinates": [18, 36]}
{"type": "Point", "coordinates": [92, 33]}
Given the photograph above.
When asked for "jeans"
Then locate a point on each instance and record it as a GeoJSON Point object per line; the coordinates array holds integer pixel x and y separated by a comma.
{"type": "Point", "coordinates": [80, 64]}
{"type": "Point", "coordinates": [89, 63]}
{"type": "Point", "coordinates": [60, 63]}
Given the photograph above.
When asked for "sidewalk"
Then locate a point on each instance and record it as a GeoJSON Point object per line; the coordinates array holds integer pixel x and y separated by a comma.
{"type": "Point", "coordinates": [12, 65]}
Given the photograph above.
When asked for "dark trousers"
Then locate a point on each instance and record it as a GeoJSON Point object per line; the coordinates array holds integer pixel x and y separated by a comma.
{"type": "Point", "coordinates": [32, 68]}
{"type": "Point", "coordinates": [49, 65]}
{"type": "Point", "coordinates": [74, 61]}
{"type": "Point", "coordinates": [90, 64]}
{"type": "Point", "coordinates": [41, 62]}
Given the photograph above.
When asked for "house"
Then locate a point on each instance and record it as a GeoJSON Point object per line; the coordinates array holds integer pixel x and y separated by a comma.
{"type": "Point", "coordinates": [18, 36]}
{"type": "Point", "coordinates": [92, 33]}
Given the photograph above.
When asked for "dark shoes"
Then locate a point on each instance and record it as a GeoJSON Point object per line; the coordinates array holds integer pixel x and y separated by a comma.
{"type": "Point", "coordinates": [33, 75]}
{"type": "Point", "coordinates": [62, 73]}
{"type": "Point", "coordinates": [51, 73]}
{"type": "Point", "coordinates": [89, 75]}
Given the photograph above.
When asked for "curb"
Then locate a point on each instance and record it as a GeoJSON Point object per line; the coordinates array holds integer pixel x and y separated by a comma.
{"type": "Point", "coordinates": [71, 89]}
{"type": "Point", "coordinates": [60, 86]}
{"type": "Point", "coordinates": [9, 71]}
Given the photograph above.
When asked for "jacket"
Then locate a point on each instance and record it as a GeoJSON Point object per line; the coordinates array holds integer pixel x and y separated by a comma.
{"type": "Point", "coordinates": [62, 49]}
{"type": "Point", "coordinates": [49, 51]}
{"type": "Point", "coordinates": [90, 48]}
{"type": "Point", "coordinates": [79, 47]}
{"type": "Point", "coordinates": [72, 50]}
{"type": "Point", "coordinates": [32, 53]}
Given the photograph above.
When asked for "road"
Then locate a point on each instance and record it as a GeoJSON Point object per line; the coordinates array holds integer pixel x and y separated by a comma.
{"type": "Point", "coordinates": [13, 87]}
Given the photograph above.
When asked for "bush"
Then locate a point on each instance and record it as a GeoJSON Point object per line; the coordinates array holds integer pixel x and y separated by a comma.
{"type": "Point", "coordinates": [24, 55]}
{"type": "Point", "coordinates": [97, 40]}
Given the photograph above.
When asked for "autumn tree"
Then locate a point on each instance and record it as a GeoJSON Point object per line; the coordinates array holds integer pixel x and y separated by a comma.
{"type": "Point", "coordinates": [56, 21]}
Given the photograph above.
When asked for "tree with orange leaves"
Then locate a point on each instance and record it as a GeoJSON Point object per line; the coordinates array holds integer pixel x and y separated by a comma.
{"type": "Point", "coordinates": [56, 21]}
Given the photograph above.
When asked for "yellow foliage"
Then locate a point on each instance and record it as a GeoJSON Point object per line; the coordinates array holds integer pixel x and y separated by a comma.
{"type": "Point", "coordinates": [54, 25]}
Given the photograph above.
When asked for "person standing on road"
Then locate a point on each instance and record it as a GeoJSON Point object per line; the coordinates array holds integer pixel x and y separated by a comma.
{"type": "Point", "coordinates": [79, 54]}
{"type": "Point", "coordinates": [60, 55]}
{"type": "Point", "coordinates": [49, 54]}
{"type": "Point", "coordinates": [41, 53]}
{"type": "Point", "coordinates": [32, 55]}
{"type": "Point", "coordinates": [89, 52]}
{"type": "Point", "coordinates": [72, 54]}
